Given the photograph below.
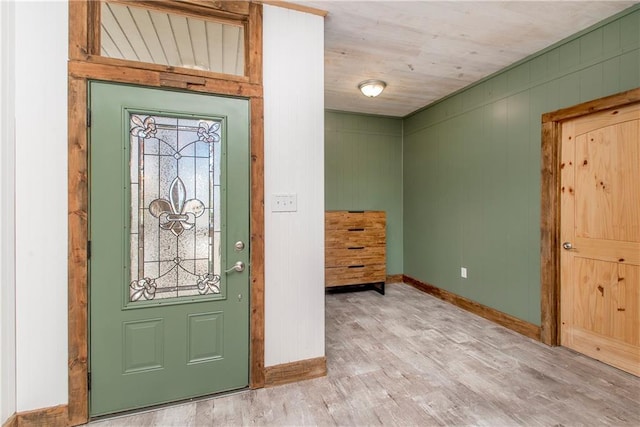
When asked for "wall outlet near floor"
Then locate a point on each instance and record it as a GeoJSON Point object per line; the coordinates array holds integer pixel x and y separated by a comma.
{"type": "Point", "coordinates": [463, 272]}
{"type": "Point", "coordinates": [284, 203]}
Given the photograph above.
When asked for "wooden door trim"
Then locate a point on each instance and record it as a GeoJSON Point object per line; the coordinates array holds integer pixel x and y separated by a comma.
{"type": "Point", "coordinates": [83, 67]}
{"type": "Point", "coordinates": [550, 204]}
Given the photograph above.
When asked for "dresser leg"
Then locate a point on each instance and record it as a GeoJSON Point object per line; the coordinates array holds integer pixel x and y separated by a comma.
{"type": "Point", "coordinates": [380, 289]}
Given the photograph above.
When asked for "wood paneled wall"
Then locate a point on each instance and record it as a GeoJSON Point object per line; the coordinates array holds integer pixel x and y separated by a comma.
{"type": "Point", "coordinates": [472, 167]}
{"type": "Point", "coordinates": [294, 153]}
{"type": "Point", "coordinates": [7, 214]}
{"type": "Point", "coordinates": [363, 171]}
{"type": "Point", "coordinates": [41, 204]}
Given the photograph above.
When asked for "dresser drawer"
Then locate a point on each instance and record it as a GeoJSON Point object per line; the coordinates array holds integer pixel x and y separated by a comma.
{"type": "Point", "coordinates": [341, 220]}
{"type": "Point", "coordinates": [355, 248]}
{"type": "Point", "coordinates": [354, 255]}
{"type": "Point", "coordinates": [354, 237]}
{"type": "Point", "coordinates": [337, 276]}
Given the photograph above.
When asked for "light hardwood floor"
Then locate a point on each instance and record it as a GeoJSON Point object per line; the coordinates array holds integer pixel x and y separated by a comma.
{"type": "Point", "coordinates": [409, 359]}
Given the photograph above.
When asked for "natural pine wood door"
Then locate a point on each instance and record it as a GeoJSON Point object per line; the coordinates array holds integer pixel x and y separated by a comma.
{"type": "Point", "coordinates": [600, 229]}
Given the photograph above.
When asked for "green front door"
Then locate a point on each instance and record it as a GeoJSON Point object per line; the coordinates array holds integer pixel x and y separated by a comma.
{"type": "Point", "coordinates": [169, 219]}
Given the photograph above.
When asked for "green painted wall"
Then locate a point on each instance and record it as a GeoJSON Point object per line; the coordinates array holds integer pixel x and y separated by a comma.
{"type": "Point", "coordinates": [363, 171]}
{"type": "Point", "coordinates": [472, 166]}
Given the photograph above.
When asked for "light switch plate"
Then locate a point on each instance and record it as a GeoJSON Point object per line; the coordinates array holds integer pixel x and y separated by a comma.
{"type": "Point", "coordinates": [284, 203]}
{"type": "Point", "coordinates": [463, 272]}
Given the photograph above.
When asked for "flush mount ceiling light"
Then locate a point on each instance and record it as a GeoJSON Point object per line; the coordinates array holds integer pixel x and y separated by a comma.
{"type": "Point", "coordinates": [372, 88]}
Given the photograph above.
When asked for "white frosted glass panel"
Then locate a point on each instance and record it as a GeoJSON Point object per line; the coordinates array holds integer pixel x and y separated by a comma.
{"type": "Point", "coordinates": [149, 234]}
{"type": "Point", "coordinates": [133, 242]}
{"type": "Point", "coordinates": [187, 171]}
{"type": "Point", "coordinates": [216, 160]}
{"type": "Point", "coordinates": [150, 147]}
{"type": "Point", "coordinates": [168, 142]}
{"type": "Point", "coordinates": [185, 272]}
{"type": "Point", "coordinates": [151, 269]}
{"type": "Point", "coordinates": [168, 172]}
{"type": "Point", "coordinates": [133, 165]}
{"type": "Point", "coordinates": [168, 246]}
{"type": "Point", "coordinates": [168, 278]}
{"type": "Point", "coordinates": [216, 202]}
{"type": "Point", "coordinates": [202, 266]}
{"type": "Point", "coordinates": [151, 174]}
{"type": "Point", "coordinates": [172, 237]}
{"type": "Point", "coordinates": [186, 143]}
{"type": "Point", "coordinates": [134, 206]}
{"type": "Point", "coordinates": [216, 252]}
{"type": "Point", "coordinates": [203, 187]}
{"type": "Point", "coordinates": [202, 151]}
{"type": "Point", "coordinates": [202, 231]}
{"type": "Point", "coordinates": [188, 266]}
{"type": "Point", "coordinates": [169, 121]}
{"type": "Point", "coordinates": [186, 292]}
{"type": "Point", "coordinates": [187, 244]}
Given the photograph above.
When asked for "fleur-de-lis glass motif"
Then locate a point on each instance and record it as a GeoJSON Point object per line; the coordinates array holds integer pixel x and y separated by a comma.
{"type": "Point", "coordinates": [208, 133]}
{"type": "Point", "coordinates": [143, 129]}
{"type": "Point", "coordinates": [176, 214]}
{"type": "Point", "coordinates": [144, 287]}
{"type": "Point", "coordinates": [208, 283]}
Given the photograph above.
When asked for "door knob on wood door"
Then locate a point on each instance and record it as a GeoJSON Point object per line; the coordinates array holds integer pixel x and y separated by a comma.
{"type": "Point", "coordinates": [567, 245]}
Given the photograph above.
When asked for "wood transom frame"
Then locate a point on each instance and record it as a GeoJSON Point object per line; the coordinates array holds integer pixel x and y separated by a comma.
{"type": "Point", "coordinates": [85, 64]}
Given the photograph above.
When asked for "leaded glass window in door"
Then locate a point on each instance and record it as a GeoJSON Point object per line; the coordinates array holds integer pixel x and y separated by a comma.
{"type": "Point", "coordinates": [175, 207]}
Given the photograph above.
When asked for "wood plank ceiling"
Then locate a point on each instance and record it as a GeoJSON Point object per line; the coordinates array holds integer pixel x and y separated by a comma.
{"type": "Point", "coordinates": [161, 38]}
{"type": "Point", "coordinates": [425, 50]}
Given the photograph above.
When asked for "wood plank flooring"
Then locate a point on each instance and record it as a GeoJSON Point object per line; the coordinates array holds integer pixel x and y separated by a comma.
{"type": "Point", "coordinates": [409, 359]}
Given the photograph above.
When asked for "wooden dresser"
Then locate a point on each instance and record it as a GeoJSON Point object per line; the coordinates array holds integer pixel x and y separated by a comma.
{"type": "Point", "coordinates": [355, 248]}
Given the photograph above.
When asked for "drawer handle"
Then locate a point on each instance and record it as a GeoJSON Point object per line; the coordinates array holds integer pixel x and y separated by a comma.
{"type": "Point", "coordinates": [355, 211]}
{"type": "Point", "coordinates": [356, 266]}
{"type": "Point", "coordinates": [356, 229]}
{"type": "Point", "coordinates": [355, 247]}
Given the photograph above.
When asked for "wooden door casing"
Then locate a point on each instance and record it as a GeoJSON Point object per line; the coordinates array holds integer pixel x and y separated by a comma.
{"type": "Point", "coordinates": [600, 218]}
{"type": "Point", "coordinates": [84, 65]}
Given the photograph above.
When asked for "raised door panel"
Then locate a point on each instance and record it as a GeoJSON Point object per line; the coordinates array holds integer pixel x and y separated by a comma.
{"type": "Point", "coordinates": [607, 203]}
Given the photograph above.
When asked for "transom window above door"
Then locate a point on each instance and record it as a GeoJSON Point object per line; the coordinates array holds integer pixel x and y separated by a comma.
{"type": "Point", "coordinates": [162, 37]}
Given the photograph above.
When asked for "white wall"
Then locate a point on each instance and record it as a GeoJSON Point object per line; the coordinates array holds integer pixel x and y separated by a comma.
{"type": "Point", "coordinates": [294, 163]}
{"type": "Point", "coordinates": [41, 203]}
{"type": "Point", "coordinates": [7, 218]}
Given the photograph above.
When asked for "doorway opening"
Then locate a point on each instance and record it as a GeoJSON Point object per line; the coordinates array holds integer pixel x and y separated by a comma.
{"type": "Point", "coordinates": [552, 200]}
{"type": "Point", "coordinates": [87, 64]}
